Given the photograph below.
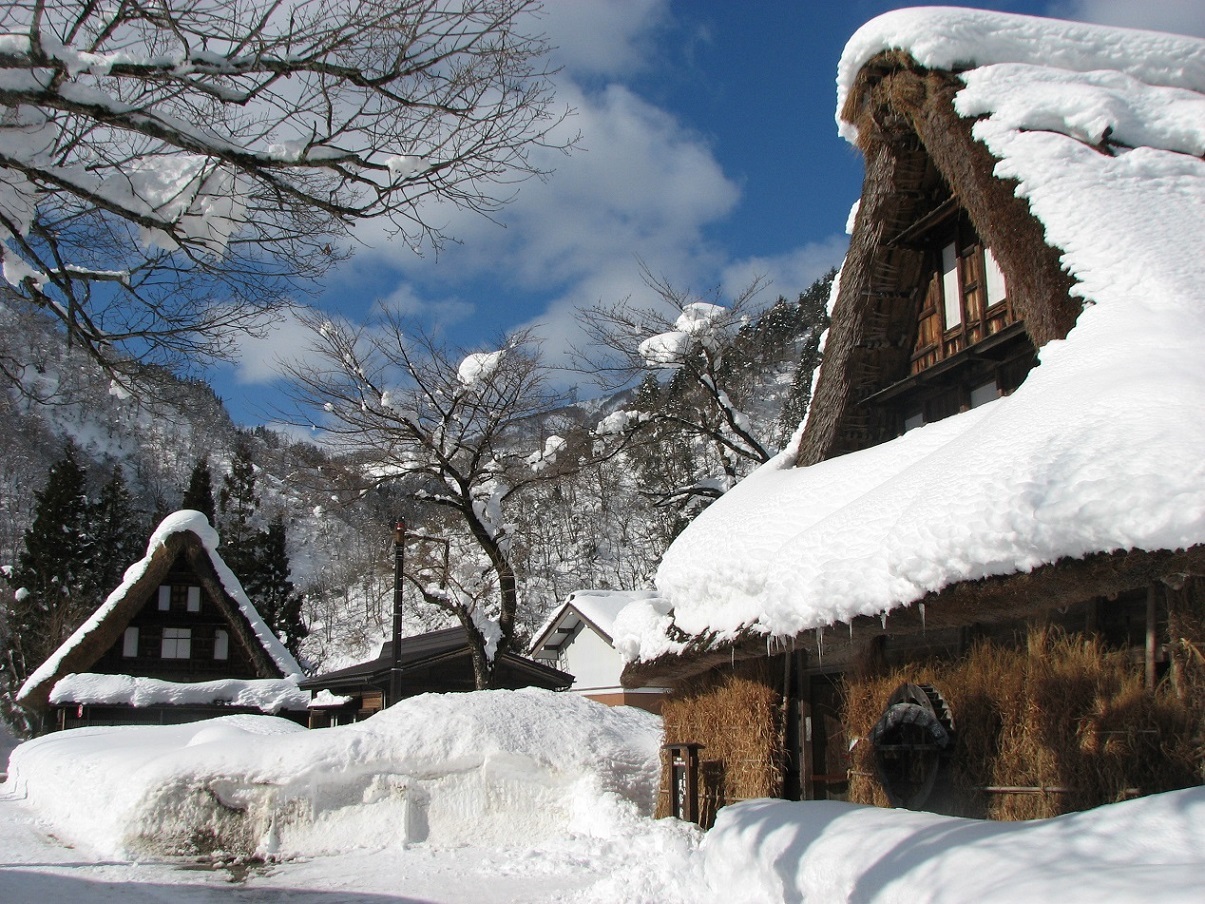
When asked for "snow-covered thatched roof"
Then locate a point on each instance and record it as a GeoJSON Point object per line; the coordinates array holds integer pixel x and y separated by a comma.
{"type": "Point", "coordinates": [187, 531]}
{"type": "Point", "coordinates": [1100, 132]}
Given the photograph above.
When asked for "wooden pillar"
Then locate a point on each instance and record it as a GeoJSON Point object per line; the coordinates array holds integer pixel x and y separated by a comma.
{"type": "Point", "coordinates": [807, 754]}
{"type": "Point", "coordinates": [399, 566]}
{"type": "Point", "coordinates": [1152, 637]}
{"type": "Point", "coordinates": [684, 781]}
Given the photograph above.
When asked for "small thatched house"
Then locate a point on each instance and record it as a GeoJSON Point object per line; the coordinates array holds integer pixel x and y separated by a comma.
{"type": "Point", "coordinates": [974, 581]}
{"type": "Point", "coordinates": [438, 662]}
{"type": "Point", "coordinates": [176, 642]}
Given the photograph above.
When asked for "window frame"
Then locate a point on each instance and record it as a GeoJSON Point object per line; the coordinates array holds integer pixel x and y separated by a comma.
{"type": "Point", "coordinates": [176, 643]}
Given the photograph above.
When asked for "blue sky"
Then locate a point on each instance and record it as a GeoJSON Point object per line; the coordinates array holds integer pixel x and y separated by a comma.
{"type": "Point", "coordinates": [708, 151]}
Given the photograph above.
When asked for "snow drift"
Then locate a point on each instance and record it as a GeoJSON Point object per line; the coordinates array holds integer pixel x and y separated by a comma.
{"type": "Point", "coordinates": [828, 851]}
{"type": "Point", "coordinates": [485, 767]}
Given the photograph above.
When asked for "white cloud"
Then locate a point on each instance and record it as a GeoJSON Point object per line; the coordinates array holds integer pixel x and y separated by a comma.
{"type": "Point", "coordinates": [640, 183]}
{"type": "Point", "coordinates": [789, 273]}
{"type": "Point", "coordinates": [259, 356]}
{"type": "Point", "coordinates": [436, 314]}
{"type": "Point", "coordinates": [593, 38]}
{"type": "Point", "coordinates": [1180, 16]}
{"type": "Point", "coordinates": [640, 187]}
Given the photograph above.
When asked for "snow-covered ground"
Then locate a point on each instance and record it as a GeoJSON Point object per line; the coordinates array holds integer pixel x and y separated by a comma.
{"type": "Point", "coordinates": [502, 797]}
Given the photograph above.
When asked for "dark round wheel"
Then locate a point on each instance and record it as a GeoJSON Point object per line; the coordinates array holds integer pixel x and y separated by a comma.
{"type": "Point", "coordinates": [909, 741]}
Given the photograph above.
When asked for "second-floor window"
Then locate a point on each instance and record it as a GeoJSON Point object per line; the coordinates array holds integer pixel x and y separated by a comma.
{"type": "Point", "coordinates": [965, 300]}
{"type": "Point", "coordinates": [179, 597]}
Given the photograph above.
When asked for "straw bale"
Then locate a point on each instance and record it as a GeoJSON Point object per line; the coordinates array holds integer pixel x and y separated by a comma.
{"type": "Point", "coordinates": [1059, 711]}
{"type": "Point", "coordinates": [735, 713]}
{"type": "Point", "coordinates": [1186, 648]}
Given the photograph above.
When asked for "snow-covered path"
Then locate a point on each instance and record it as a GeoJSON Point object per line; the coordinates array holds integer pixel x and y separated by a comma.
{"type": "Point", "coordinates": [37, 868]}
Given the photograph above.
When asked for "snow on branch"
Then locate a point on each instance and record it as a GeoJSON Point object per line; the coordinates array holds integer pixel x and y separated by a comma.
{"type": "Point", "coordinates": [225, 149]}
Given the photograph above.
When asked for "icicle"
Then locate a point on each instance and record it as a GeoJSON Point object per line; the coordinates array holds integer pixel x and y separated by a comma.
{"type": "Point", "coordinates": [820, 646]}
{"type": "Point", "coordinates": [922, 618]}
{"type": "Point", "coordinates": [883, 619]}
{"type": "Point", "coordinates": [851, 630]}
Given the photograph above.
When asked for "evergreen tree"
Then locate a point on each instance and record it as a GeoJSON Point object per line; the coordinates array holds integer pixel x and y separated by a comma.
{"type": "Point", "coordinates": [119, 534]}
{"type": "Point", "coordinates": [270, 588]}
{"type": "Point", "coordinates": [51, 581]}
{"type": "Point", "coordinates": [814, 320]}
{"type": "Point", "coordinates": [239, 503]}
{"type": "Point", "coordinates": [199, 495]}
{"type": "Point", "coordinates": [259, 558]}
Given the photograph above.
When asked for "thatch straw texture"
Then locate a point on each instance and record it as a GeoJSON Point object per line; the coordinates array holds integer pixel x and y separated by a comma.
{"type": "Point", "coordinates": [1061, 713]}
{"type": "Point", "coordinates": [735, 713]}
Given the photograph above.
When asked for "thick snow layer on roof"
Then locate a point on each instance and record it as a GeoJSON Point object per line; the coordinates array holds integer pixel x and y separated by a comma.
{"type": "Point", "coordinates": [945, 37]}
{"type": "Point", "coordinates": [490, 766]}
{"type": "Point", "coordinates": [183, 520]}
{"type": "Point", "coordinates": [269, 695]}
{"type": "Point", "coordinates": [1100, 448]}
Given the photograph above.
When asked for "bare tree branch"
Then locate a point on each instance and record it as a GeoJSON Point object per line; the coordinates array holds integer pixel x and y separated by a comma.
{"type": "Point", "coordinates": [172, 170]}
{"type": "Point", "coordinates": [462, 431]}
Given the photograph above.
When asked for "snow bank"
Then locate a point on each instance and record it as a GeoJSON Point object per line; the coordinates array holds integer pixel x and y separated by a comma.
{"type": "Point", "coordinates": [764, 850]}
{"type": "Point", "coordinates": [1099, 449]}
{"type": "Point", "coordinates": [489, 767]}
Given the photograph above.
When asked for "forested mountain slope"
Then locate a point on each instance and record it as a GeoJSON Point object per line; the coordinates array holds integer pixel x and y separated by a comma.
{"type": "Point", "coordinates": [603, 525]}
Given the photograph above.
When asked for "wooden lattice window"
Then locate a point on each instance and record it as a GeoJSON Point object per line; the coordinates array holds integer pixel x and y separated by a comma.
{"type": "Point", "coordinates": [965, 298]}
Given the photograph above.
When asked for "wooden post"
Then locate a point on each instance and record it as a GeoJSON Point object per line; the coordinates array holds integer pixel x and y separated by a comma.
{"type": "Point", "coordinates": [684, 780]}
{"type": "Point", "coordinates": [807, 758]}
{"type": "Point", "coordinates": [1151, 636]}
{"type": "Point", "coordinates": [399, 562]}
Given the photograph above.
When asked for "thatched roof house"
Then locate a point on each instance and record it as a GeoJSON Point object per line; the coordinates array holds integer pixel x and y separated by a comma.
{"type": "Point", "coordinates": [1007, 428]}
{"type": "Point", "coordinates": [178, 640]}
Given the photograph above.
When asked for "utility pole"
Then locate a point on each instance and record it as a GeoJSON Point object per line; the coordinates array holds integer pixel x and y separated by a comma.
{"type": "Point", "coordinates": [399, 562]}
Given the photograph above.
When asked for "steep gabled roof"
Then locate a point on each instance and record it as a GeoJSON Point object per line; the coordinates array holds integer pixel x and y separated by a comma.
{"type": "Point", "coordinates": [596, 608]}
{"type": "Point", "coordinates": [1078, 152]}
{"type": "Point", "coordinates": [185, 533]}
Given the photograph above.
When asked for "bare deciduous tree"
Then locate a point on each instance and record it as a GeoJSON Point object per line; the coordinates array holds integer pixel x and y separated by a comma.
{"type": "Point", "coordinates": [462, 432]}
{"type": "Point", "coordinates": [171, 169]}
{"type": "Point", "coordinates": [692, 337]}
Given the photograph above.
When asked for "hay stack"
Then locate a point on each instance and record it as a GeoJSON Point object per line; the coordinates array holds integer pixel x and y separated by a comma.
{"type": "Point", "coordinates": [1061, 713]}
{"type": "Point", "coordinates": [735, 713]}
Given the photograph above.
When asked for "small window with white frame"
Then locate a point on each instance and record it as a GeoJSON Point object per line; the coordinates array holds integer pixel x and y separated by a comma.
{"type": "Point", "coordinates": [194, 599]}
{"type": "Point", "coordinates": [165, 598]}
{"type": "Point", "coordinates": [221, 644]}
{"type": "Point", "coordinates": [129, 642]}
